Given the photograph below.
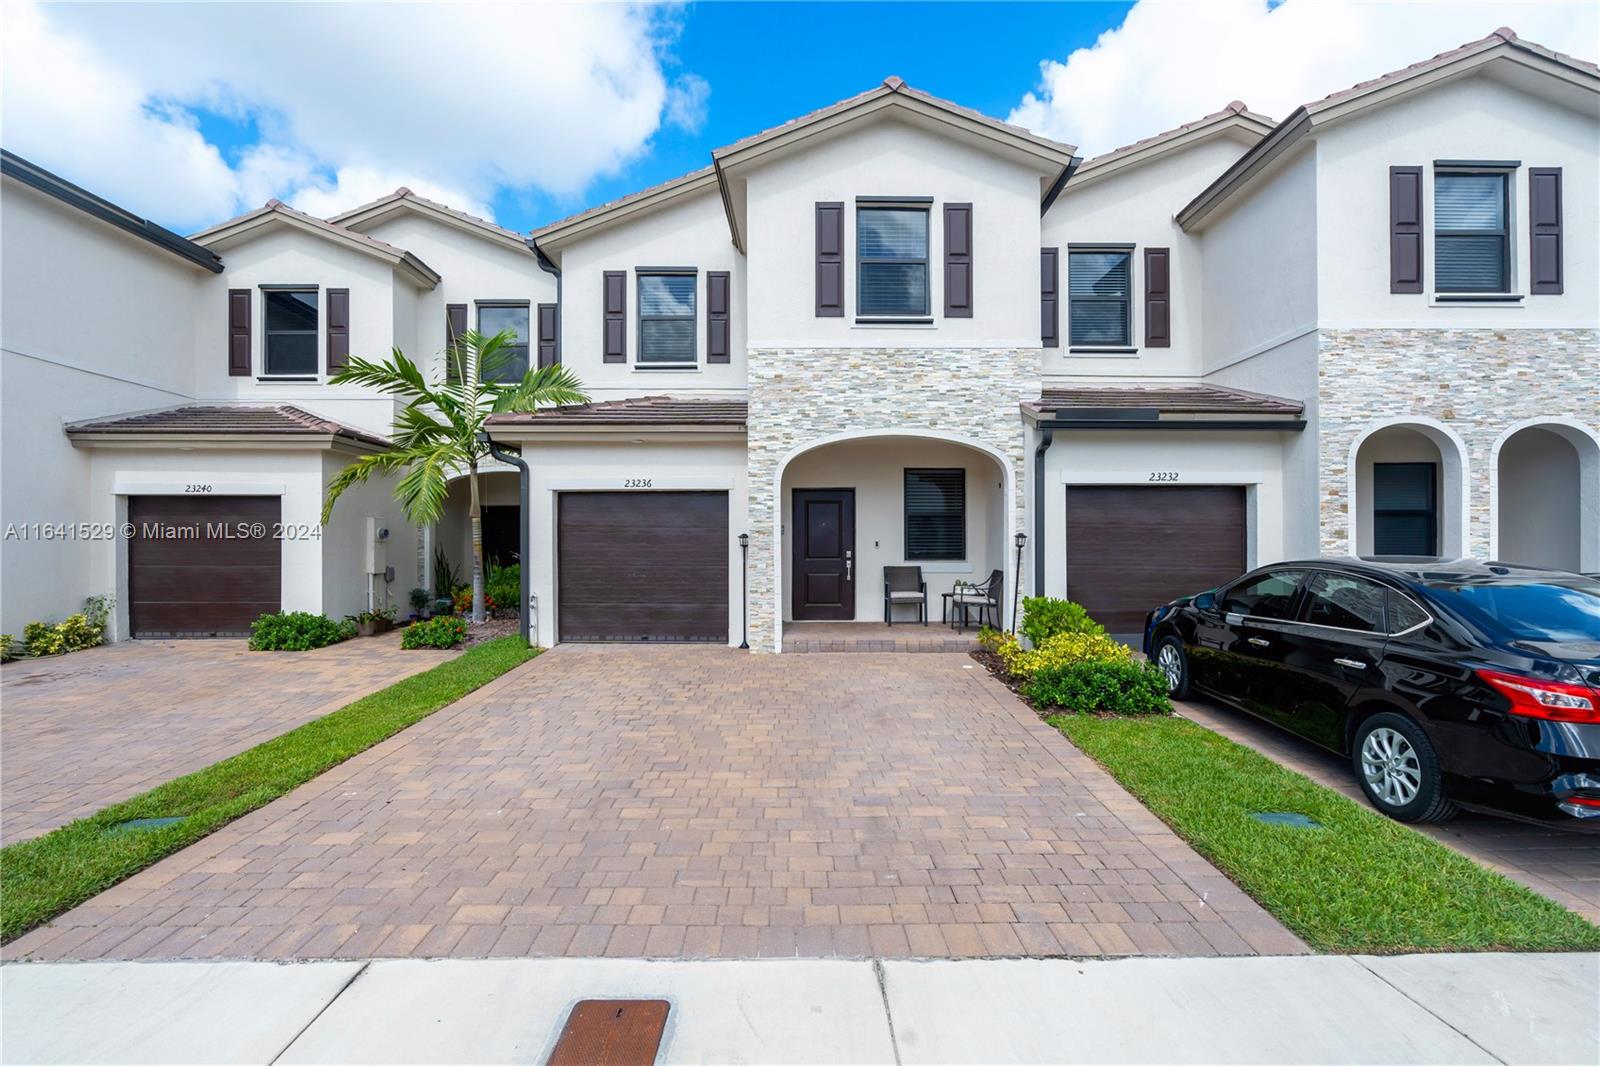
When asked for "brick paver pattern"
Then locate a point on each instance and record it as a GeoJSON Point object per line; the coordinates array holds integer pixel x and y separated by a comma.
{"type": "Point", "coordinates": [693, 802]}
{"type": "Point", "coordinates": [799, 637]}
{"type": "Point", "coordinates": [1564, 866]}
{"type": "Point", "coordinates": [81, 731]}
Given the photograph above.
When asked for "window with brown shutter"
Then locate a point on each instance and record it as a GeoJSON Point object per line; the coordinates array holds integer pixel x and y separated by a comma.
{"type": "Point", "coordinates": [338, 330]}
{"type": "Point", "coordinates": [239, 333]}
{"type": "Point", "coordinates": [1405, 229]}
{"type": "Point", "coordinates": [958, 260]}
{"type": "Point", "coordinates": [1157, 298]}
{"type": "Point", "coordinates": [1544, 231]}
{"type": "Point", "coordinates": [1049, 297]}
{"type": "Point", "coordinates": [719, 335]}
{"type": "Point", "coordinates": [615, 324]}
{"type": "Point", "coordinates": [547, 335]}
{"type": "Point", "coordinates": [830, 260]}
{"type": "Point", "coordinates": [455, 324]}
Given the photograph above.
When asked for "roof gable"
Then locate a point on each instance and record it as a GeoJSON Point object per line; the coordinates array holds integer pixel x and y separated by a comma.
{"type": "Point", "coordinates": [1235, 121]}
{"type": "Point", "coordinates": [404, 200]}
{"type": "Point", "coordinates": [276, 214]}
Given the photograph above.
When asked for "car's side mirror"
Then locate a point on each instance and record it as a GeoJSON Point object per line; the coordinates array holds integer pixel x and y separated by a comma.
{"type": "Point", "coordinates": [1206, 601]}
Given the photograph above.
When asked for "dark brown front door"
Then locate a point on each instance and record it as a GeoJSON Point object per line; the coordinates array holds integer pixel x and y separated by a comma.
{"type": "Point", "coordinates": [1134, 547]}
{"type": "Point", "coordinates": [824, 554]}
{"type": "Point", "coordinates": [642, 566]}
{"type": "Point", "coordinates": [202, 566]}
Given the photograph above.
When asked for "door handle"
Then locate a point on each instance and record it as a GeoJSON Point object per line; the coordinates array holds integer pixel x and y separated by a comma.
{"type": "Point", "coordinates": [1354, 664]}
{"type": "Point", "coordinates": [1260, 642]}
{"type": "Point", "coordinates": [847, 565]}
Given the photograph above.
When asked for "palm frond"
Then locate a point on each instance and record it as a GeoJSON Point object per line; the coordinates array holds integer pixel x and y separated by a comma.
{"type": "Point", "coordinates": [400, 375]}
{"type": "Point", "coordinates": [357, 473]}
{"type": "Point", "coordinates": [423, 490]}
{"type": "Point", "coordinates": [549, 386]}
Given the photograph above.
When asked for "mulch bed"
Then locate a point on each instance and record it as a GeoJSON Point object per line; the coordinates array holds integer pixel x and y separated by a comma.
{"type": "Point", "coordinates": [997, 670]}
{"type": "Point", "coordinates": [491, 629]}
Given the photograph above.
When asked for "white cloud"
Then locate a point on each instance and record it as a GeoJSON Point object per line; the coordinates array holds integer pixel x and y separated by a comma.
{"type": "Point", "coordinates": [351, 100]}
{"type": "Point", "coordinates": [1169, 62]}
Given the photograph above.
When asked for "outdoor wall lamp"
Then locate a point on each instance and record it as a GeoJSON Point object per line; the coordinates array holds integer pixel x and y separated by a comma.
{"type": "Point", "coordinates": [744, 591]}
{"type": "Point", "coordinates": [1016, 584]}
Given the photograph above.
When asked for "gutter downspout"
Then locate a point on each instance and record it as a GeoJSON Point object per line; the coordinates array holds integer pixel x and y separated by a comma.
{"type": "Point", "coordinates": [525, 608]}
{"type": "Point", "coordinates": [1046, 438]}
{"type": "Point", "coordinates": [550, 268]}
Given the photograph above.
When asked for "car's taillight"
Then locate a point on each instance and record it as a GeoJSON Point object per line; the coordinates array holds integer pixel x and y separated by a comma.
{"type": "Point", "coordinates": [1535, 697]}
{"type": "Point", "coordinates": [1583, 801]}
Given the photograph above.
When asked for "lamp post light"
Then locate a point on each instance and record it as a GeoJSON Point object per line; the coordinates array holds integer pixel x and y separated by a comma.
{"type": "Point", "coordinates": [744, 591]}
{"type": "Point", "coordinates": [1016, 591]}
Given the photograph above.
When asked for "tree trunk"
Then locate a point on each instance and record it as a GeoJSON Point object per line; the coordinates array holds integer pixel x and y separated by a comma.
{"type": "Point", "coordinates": [477, 549]}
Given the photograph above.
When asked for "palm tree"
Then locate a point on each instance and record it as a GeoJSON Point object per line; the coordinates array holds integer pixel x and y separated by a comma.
{"type": "Point", "coordinates": [436, 434]}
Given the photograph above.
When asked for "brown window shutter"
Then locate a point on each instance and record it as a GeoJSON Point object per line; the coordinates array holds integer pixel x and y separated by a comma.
{"type": "Point", "coordinates": [830, 260]}
{"type": "Point", "coordinates": [719, 336]}
{"type": "Point", "coordinates": [958, 260]}
{"type": "Point", "coordinates": [616, 316]}
{"type": "Point", "coordinates": [547, 335]}
{"type": "Point", "coordinates": [455, 324]}
{"type": "Point", "coordinates": [1405, 229]}
{"type": "Point", "coordinates": [238, 333]}
{"type": "Point", "coordinates": [1157, 298]}
{"type": "Point", "coordinates": [1050, 297]}
{"type": "Point", "coordinates": [338, 330]}
{"type": "Point", "coordinates": [1544, 231]}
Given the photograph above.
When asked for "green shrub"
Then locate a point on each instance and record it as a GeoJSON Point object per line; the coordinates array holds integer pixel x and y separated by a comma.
{"type": "Point", "coordinates": [992, 639]}
{"type": "Point", "coordinates": [86, 629]}
{"type": "Point", "coordinates": [1122, 688]}
{"type": "Point", "coordinates": [9, 648]}
{"type": "Point", "coordinates": [463, 601]}
{"type": "Point", "coordinates": [503, 584]}
{"type": "Point", "coordinates": [445, 631]}
{"type": "Point", "coordinates": [420, 598]}
{"type": "Point", "coordinates": [297, 631]}
{"type": "Point", "coordinates": [1045, 616]}
{"type": "Point", "coordinates": [1062, 650]}
{"type": "Point", "coordinates": [445, 576]}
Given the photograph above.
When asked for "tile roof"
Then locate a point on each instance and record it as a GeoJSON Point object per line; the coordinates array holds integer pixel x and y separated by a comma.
{"type": "Point", "coordinates": [646, 193]}
{"type": "Point", "coordinates": [384, 249]}
{"type": "Point", "coordinates": [637, 411]}
{"type": "Point", "coordinates": [1168, 399]}
{"type": "Point", "coordinates": [403, 193]}
{"type": "Point", "coordinates": [277, 420]}
{"type": "Point", "coordinates": [1235, 107]}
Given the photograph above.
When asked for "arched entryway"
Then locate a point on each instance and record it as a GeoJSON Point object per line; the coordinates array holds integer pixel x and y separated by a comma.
{"type": "Point", "coordinates": [1547, 496]}
{"type": "Point", "coordinates": [501, 511]}
{"type": "Point", "coordinates": [1408, 490]}
{"type": "Point", "coordinates": [850, 505]}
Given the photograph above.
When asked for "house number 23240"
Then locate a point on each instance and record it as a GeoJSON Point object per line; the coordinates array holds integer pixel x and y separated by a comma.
{"type": "Point", "coordinates": [1163, 475]}
{"type": "Point", "coordinates": [636, 483]}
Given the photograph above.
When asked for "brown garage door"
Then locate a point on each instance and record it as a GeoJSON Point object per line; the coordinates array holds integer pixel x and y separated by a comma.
{"type": "Point", "coordinates": [196, 567]}
{"type": "Point", "coordinates": [642, 566]}
{"type": "Point", "coordinates": [1131, 548]}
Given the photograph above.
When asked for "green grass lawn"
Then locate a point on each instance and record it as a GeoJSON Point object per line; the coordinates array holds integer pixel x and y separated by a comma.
{"type": "Point", "coordinates": [43, 877]}
{"type": "Point", "coordinates": [1360, 883]}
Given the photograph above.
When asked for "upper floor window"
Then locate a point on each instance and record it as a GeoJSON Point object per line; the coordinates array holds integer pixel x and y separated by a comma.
{"type": "Point", "coordinates": [936, 513]}
{"type": "Point", "coordinates": [495, 318]}
{"type": "Point", "coordinates": [892, 261]}
{"type": "Point", "coordinates": [290, 348]}
{"type": "Point", "coordinates": [1470, 232]}
{"type": "Point", "coordinates": [1099, 283]}
{"type": "Point", "coordinates": [666, 318]}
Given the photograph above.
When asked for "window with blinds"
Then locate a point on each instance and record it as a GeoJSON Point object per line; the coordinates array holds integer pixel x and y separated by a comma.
{"type": "Point", "coordinates": [892, 262]}
{"type": "Point", "coordinates": [1470, 233]}
{"type": "Point", "coordinates": [666, 318]}
{"type": "Point", "coordinates": [291, 332]}
{"type": "Point", "coordinates": [936, 514]}
{"type": "Point", "coordinates": [1405, 517]}
{"type": "Point", "coordinates": [1098, 285]}
{"type": "Point", "coordinates": [505, 318]}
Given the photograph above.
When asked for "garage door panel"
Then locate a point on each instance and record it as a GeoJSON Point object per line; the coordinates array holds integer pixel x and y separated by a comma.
{"type": "Point", "coordinates": [193, 573]}
{"type": "Point", "coordinates": [1131, 548]}
{"type": "Point", "coordinates": [643, 566]}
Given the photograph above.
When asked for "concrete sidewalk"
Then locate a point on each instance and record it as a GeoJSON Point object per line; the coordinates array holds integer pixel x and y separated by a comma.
{"type": "Point", "coordinates": [1322, 1009]}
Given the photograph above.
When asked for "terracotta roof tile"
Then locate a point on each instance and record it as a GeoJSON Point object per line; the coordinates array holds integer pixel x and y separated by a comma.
{"type": "Point", "coordinates": [226, 419]}
{"type": "Point", "coordinates": [1234, 107]}
{"type": "Point", "coordinates": [638, 410]}
{"type": "Point", "coordinates": [1168, 399]}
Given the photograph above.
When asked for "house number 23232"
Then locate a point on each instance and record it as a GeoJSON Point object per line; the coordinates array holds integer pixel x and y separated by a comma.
{"type": "Point", "coordinates": [1163, 475]}
{"type": "Point", "coordinates": [636, 483]}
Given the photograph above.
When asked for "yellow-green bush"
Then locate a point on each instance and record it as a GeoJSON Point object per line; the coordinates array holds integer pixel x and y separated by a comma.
{"type": "Point", "coordinates": [1061, 650]}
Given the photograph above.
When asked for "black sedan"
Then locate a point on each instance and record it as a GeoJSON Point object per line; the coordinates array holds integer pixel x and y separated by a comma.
{"type": "Point", "coordinates": [1445, 683]}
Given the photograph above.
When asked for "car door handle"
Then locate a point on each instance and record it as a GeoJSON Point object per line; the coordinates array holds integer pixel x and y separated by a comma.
{"type": "Point", "coordinates": [1354, 664]}
{"type": "Point", "coordinates": [1260, 642]}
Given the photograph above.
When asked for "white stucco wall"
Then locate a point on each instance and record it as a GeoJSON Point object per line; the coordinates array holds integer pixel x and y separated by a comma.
{"type": "Point", "coordinates": [345, 581]}
{"type": "Point", "coordinates": [891, 158]}
{"type": "Point", "coordinates": [61, 364]}
{"type": "Point", "coordinates": [875, 469]}
{"type": "Point", "coordinates": [1479, 117]}
{"type": "Point", "coordinates": [1136, 207]}
{"type": "Point", "coordinates": [692, 232]}
{"type": "Point", "coordinates": [1540, 517]}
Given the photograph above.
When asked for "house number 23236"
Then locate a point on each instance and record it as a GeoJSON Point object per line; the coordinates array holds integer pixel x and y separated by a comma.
{"type": "Point", "coordinates": [636, 483]}
{"type": "Point", "coordinates": [1163, 475]}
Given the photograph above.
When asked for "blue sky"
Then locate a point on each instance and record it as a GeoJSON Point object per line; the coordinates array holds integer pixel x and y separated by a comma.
{"type": "Point", "coordinates": [192, 113]}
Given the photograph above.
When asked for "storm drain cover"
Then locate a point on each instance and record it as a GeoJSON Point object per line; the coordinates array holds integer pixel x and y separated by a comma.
{"type": "Point", "coordinates": [136, 824]}
{"type": "Point", "coordinates": [1299, 821]}
{"type": "Point", "coordinates": [611, 1032]}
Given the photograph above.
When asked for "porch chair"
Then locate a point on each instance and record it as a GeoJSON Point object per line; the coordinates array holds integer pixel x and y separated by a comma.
{"type": "Point", "coordinates": [985, 597]}
{"type": "Point", "coordinates": [902, 585]}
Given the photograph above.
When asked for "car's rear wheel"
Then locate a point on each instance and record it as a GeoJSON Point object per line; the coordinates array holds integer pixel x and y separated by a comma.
{"type": "Point", "coordinates": [1398, 769]}
{"type": "Point", "coordinates": [1172, 661]}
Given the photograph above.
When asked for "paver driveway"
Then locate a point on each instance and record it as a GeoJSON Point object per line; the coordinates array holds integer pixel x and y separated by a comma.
{"type": "Point", "coordinates": [687, 801]}
{"type": "Point", "coordinates": [85, 730]}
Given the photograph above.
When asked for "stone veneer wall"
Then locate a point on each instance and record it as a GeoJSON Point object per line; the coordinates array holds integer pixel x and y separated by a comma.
{"type": "Point", "coordinates": [1479, 382]}
{"type": "Point", "coordinates": [802, 395]}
